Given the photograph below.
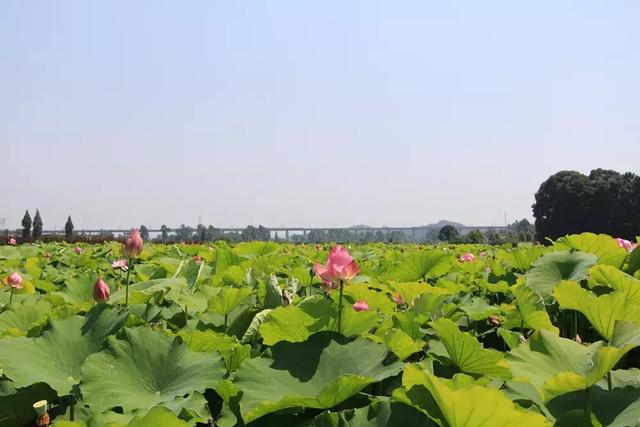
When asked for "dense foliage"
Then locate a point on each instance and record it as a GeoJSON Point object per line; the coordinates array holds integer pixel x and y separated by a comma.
{"type": "Point", "coordinates": [605, 201]}
{"type": "Point", "coordinates": [246, 334]}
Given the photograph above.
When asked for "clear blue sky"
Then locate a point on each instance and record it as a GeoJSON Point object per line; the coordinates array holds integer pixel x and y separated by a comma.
{"type": "Point", "coordinates": [330, 113]}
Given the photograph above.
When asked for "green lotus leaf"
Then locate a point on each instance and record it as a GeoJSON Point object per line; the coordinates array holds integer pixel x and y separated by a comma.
{"type": "Point", "coordinates": [319, 373]}
{"type": "Point", "coordinates": [520, 258]}
{"type": "Point", "coordinates": [54, 358]}
{"type": "Point", "coordinates": [557, 365]}
{"type": "Point", "coordinates": [401, 344]}
{"type": "Point", "coordinates": [158, 416]}
{"type": "Point", "coordinates": [605, 275]}
{"type": "Point", "coordinates": [19, 318]}
{"type": "Point", "coordinates": [253, 331]}
{"type": "Point", "coordinates": [228, 347]}
{"type": "Point", "coordinates": [410, 291]}
{"type": "Point", "coordinates": [532, 309]}
{"type": "Point", "coordinates": [601, 311]}
{"type": "Point", "coordinates": [139, 293]}
{"type": "Point", "coordinates": [381, 413]}
{"type": "Point", "coordinates": [468, 354]}
{"type": "Point", "coordinates": [146, 369]}
{"type": "Point", "coordinates": [227, 299]}
{"type": "Point", "coordinates": [472, 406]}
{"type": "Point", "coordinates": [552, 268]}
{"type": "Point", "coordinates": [423, 265]}
{"type": "Point", "coordinates": [79, 290]}
{"type": "Point", "coordinates": [297, 323]}
{"type": "Point", "coordinates": [603, 246]}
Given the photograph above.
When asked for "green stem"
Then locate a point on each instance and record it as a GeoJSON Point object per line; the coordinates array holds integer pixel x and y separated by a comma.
{"type": "Point", "coordinates": [340, 307]}
{"type": "Point", "coordinates": [588, 406]}
{"type": "Point", "coordinates": [226, 317]}
{"type": "Point", "coordinates": [72, 409]}
{"type": "Point", "coordinates": [609, 386]}
{"type": "Point", "coordinates": [575, 324]}
{"type": "Point", "coordinates": [126, 291]}
{"type": "Point", "coordinates": [11, 296]}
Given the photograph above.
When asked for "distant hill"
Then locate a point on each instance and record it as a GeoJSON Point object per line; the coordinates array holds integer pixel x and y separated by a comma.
{"type": "Point", "coordinates": [437, 225]}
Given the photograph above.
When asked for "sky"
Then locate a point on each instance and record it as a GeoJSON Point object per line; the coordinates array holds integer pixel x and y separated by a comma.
{"type": "Point", "coordinates": [308, 113]}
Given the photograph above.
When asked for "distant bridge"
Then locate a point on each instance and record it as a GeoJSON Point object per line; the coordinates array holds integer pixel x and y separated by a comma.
{"type": "Point", "coordinates": [415, 233]}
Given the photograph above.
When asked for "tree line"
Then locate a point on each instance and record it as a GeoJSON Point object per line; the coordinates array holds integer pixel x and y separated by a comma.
{"type": "Point", "coordinates": [568, 202]}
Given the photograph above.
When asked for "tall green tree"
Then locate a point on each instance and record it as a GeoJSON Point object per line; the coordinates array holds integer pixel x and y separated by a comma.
{"type": "Point", "coordinates": [37, 225]}
{"type": "Point", "coordinates": [144, 232]}
{"type": "Point", "coordinates": [26, 225]}
{"type": "Point", "coordinates": [68, 228]}
{"type": "Point", "coordinates": [448, 233]}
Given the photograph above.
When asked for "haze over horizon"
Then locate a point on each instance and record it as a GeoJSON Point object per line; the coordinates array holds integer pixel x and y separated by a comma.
{"type": "Point", "coordinates": [308, 114]}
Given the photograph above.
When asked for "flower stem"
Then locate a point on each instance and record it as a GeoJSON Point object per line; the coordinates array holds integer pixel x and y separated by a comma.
{"type": "Point", "coordinates": [340, 307]}
{"type": "Point", "coordinates": [11, 296]}
{"type": "Point", "coordinates": [588, 408]}
{"type": "Point", "coordinates": [126, 292]}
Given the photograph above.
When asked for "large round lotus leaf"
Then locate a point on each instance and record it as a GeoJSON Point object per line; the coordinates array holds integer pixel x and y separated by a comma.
{"type": "Point", "coordinates": [557, 365]}
{"type": "Point", "coordinates": [471, 406]}
{"type": "Point", "coordinates": [555, 267]}
{"type": "Point", "coordinates": [423, 265]}
{"type": "Point", "coordinates": [19, 318]}
{"type": "Point", "coordinates": [602, 311]}
{"type": "Point", "coordinates": [468, 354]}
{"type": "Point", "coordinates": [603, 246]}
{"type": "Point", "coordinates": [147, 368]}
{"type": "Point", "coordinates": [54, 358]}
{"type": "Point", "coordinates": [318, 373]}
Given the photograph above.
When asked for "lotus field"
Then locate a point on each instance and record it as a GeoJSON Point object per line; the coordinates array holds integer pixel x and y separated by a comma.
{"type": "Point", "coordinates": [268, 334]}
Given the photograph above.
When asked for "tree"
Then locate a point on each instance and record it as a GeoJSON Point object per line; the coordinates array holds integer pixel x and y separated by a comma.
{"type": "Point", "coordinates": [37, 225]}
{"type": "Point", "coordinates": [26, 225]}
{"type": "Point", "coordinates": [68, 228]}
{"type": "Point", "coordinates": [475, 236]}
{"type": "Point", "coordinates": [606, 201]}
{"type": "Point", "coordinates": [144, 232]}
{"type": "Point", "coordinates": [448, 233]}
{"type": "Point", "coordinates": [164, 230]}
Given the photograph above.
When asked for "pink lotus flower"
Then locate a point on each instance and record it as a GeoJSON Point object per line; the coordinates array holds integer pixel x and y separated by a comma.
{"type": "Point", "coordinates": [15, 280]}
{"type": "Point", "coordinates": [197, 259]}
{"type": "Point", "coordinates": [133, 246]}
{"type": "Point", "coordinates": [467, 257]}
{"type": "Point", "coordinates": [121, 264]}
{"type": "Point", "coordinates": [11, 241]}
{"type": "Point", "coordinates": [101, 291]}
{"type": "Point", "coordinates": [77, 250]}
{"type": "Point", "coordinates": [340, 266]}
{"type": "Point", "coordinates": [397, 298]}
{"type": "Point", "coordinates": [361, 306]}
{"type": "Point", "coordinates": [625, 244]}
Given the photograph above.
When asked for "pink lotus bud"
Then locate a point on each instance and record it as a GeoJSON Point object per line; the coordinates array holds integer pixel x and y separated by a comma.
{"type": "Point", "coordinates": [625, 244]}
{"type": "Point", "coordinates": [197, 259]}
{"type": "Point", "coordinates": [361, 306]}
{"type": "Point", "coordinates": [578, 339]}
{"type": "Point", "coordinates": [494, 320]}
{"type": "Point", "coordinates": [133, 246]}
{"type": "Point", "coordinates": [101, 291]}
{"type": "Point", "coordinates": [483, 253]}
{"type": "Point", "coordinates": [121, 264]}
{"type": "Point", "coordinates": [468, 257]}
{"type": "Point", "coordinates": [77, 250]}
{"type": "Point", "coordinates": [397, 298]}
{"type": "Point", "coordinates": [11, 241]}
{"type": "Point", "coordinates": [15, 280]}
{"type": "Point", "coordinates": [318, 247]}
